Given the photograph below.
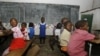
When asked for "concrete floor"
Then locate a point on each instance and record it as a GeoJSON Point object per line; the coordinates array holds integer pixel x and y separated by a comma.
{"type": "Point", "coordinates": [45, 49]}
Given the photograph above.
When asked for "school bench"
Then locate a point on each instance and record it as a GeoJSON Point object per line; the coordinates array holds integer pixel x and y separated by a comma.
{"type": "Point", "coordinates": [33, 51]}
{"type": "Point", "coordinates": [24, 51]}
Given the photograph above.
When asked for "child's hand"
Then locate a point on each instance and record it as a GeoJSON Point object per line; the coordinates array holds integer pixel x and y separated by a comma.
{"type": "Point", "coordinates": [64, 48]}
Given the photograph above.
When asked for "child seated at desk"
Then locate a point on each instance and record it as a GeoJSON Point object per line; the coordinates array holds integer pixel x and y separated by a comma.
{"type": "Point", "coordinates": [18, 40]}
{"type": "Point", "coordinates": [24, 31]}
{"type": "Point", "coordinates": [79, 36]}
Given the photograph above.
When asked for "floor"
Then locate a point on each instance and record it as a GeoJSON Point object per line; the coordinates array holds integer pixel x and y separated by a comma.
{"type": "Point", "coordinates": [45, 49]}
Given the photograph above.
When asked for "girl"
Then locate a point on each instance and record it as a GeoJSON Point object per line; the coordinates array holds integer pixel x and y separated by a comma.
{"type": "Point", "coordinates": [42, 30]}
{"type": "Point", "coordinates": [79, 36]}
{"type": "Point", "coordinates": [31, 30]}
{"type": "Point", "coordinates": [54, 40]}
{"type": "Point", "coordinates": [18, 39]}
{"type": "Point", "coordinates": [63, 20]}
{"type": "Point", "coordinates": [24, 30]}
{"type": "Point", "coordinates": [64, 37]}
{"type": "Point", "coordinates": [58, 30]}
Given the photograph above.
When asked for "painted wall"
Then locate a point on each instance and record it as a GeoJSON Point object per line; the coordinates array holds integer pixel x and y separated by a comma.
{"type": "Point", "coordinates": [84, 4]}
{"type": "Point", "coordinates": [96, 3]}
{"type": "Point", "coordinates": [96, 15]}
{"type": "Point", "coordinates": [96, 20]}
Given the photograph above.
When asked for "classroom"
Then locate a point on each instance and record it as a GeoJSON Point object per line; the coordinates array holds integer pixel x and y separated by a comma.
{"type": "Point", "coordinates": [49, 27]}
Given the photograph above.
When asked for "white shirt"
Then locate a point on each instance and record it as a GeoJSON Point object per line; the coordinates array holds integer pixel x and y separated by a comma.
{"type": "Point", "coordinates": [16, 32]}
{"type": "Point", "coordinates": [57, 32]}
{"type": "Point", "coordinates": [64, 37]}
{"type": "Point", "coordinates": [26, 36]}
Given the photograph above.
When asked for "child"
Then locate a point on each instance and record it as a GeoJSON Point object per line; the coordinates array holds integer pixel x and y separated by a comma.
{"type": "Point", "coordinates": [42, 30]}
{"type": "Point", "coordinates": [24, 30]}
{"type": "Point", "coordinates": [55, 38]}
{"type": "Point", "coordinates": [63, 20]}
{"type": "Point", "coordinates": [58, 30]}
{"type": "Point", "coordinates": [79, 36]}
{"type": "Point", "coordinates": [31, 30]}
{"type": "Point", "coordinates": [18, 39]}
{"type": "Point", "coordinates": [65, 36]}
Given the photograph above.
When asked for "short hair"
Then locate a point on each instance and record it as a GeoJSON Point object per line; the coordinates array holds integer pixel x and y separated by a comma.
{"type": "Point", "coordinates": [66, 23]}
{"type": "Point", "coordinates": [58, 26]}
{"type": "Point", "coordinates": [31, 24]}
{"type": "Point", "coordinates": [64, 19]}
{"type": "Point", "coordinates": [42, 18]}
{"type": "Point", "coordinates": [24, 23]}
{"type": "Point", "coordinates": [14, 19]}
{"type": "Point", "coordinates": [80, 23]}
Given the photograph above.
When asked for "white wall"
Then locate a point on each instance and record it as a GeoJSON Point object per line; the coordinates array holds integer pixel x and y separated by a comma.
{"type": "Point", "coordinates": [96, 3]}
{"type": "Point", "coordinates": [96, 17]}
{"type": "Point", "coordinates": [96, 20]}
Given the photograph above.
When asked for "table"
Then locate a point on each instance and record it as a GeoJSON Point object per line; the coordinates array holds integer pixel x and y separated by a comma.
{"type": "Point", "coordinates": [1, 34]}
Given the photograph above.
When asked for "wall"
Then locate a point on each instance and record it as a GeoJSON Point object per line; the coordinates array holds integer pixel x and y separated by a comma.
{"type": "Point", "coordinates": [96, 15]}
{"type": "Point", "coordinates": [32, 12]}
{"type": "Point", "coordinates": [96, 3]}
{"type": "Point", "coordinates": [96, 18]}
{"type": "Point", "coordinates": [84, 4]}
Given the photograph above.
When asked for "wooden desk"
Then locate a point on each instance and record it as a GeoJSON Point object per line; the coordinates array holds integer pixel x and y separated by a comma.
{"type": "Point", "coordinates": [18, 52]}
{"type": "Point", "coordinates": [21, 52]}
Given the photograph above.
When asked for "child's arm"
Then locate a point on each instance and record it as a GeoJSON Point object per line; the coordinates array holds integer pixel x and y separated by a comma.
{"type": "Point", "coordinates": [96, 40]}
{"type": "Point", "coordinates": [7, 32]}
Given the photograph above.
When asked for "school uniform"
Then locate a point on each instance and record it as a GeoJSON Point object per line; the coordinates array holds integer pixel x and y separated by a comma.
{"type": "Point", "coordinates": [64, 40]}
{"type": "Point", "coordinates": [31, 32]}
{"type": "Point", "coordinates": [64, 37]}
{"type": "Point", "coordinates": [17, 42]}
{"type": "Point", "coordinates": [18, 39]}
{"type": "Point", "coordinates": [42, 32]}
{"type": "Point", "coordinates": [25, 33]}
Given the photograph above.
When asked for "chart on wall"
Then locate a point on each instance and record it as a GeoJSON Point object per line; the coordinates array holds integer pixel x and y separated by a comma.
{"type": "Point", "coordinates": [32, 12]}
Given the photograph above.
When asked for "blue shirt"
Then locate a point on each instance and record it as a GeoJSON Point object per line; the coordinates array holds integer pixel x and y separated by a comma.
{"type": "Point", "coordinates": [31, 32]}
{"type": "Point", "coordinates": [42, 29]}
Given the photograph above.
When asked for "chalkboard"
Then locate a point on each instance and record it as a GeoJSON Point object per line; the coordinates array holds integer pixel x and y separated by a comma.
{"type": "Point", "coordinates": [32, 12]}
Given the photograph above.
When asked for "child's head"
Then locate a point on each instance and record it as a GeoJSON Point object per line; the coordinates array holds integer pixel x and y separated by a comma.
{"type": "Point", "coordinates": [13, 22]}
{"type": "Point", "coordinates": [68, 25]}
{"type": "Point", "coordinates": [42, 19]}
{"type": "Point", "coordinates": [59, 25]}
{"type": "Point", "coordinates": [82, 24]}
{"type": "Point", "coordinates": [23, 25]}
{"type": "Point", "coordinates": [63, 20]}
{"type": "Point", "coordinates": [31, 24]}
